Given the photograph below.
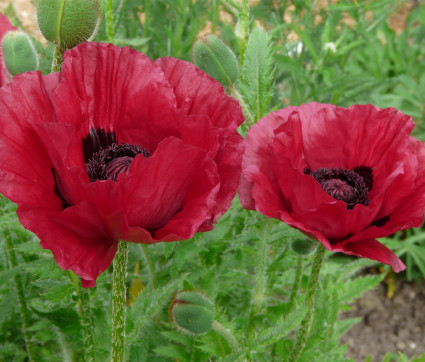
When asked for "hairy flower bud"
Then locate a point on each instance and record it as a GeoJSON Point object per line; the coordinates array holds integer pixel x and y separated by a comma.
{"type": "Point", "coordinates": [215, 58]}
{"type": "Point", "coordinates": [67, 23]}
{"type": "Point", "coordinates": [19, 53]}
{"type": "Point", "coordinates": [304, 246]}
{"type": "Point", "coordinates": [192, 313]}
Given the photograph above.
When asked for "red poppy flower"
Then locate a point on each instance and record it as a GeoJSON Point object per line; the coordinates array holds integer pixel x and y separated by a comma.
{"type": "Point", "coordinates": [117, 147]}
{"type": "Point", "coordinates": [5, 26]}
{"type": "Point", "coordinates": [343, 176]}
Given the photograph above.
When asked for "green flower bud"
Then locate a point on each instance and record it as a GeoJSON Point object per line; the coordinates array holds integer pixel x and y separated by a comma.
{"type": "Point", "coordinates": [192, 313]}
{"type": "Point", "coordinates": [19, 53]}
{"type": "Point", "coordinates": [304, 246]}
{"type": "Point", "coordinates": [215, 58]}
{"type": "Point", "coordinates": [66, 23]}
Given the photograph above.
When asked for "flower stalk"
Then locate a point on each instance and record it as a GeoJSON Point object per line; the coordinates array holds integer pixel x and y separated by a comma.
{"type": "Point", "coordinates": [21, 295]}
{"type": "Point", "coordinates": [260, 271]}
{"type": "Point", "coordinates": [233, 91]}
{"type": "Point", "coordinates": [150, 264]}
{"type": "Point", "coordinates": [226, 334]}
{"type": "Point", "coordinates": [86, 319]}
{"type": "Point", "coordinates": [259, 287]}
{"type": "Point", "coordinates": [304, 330]}
{"type": "Point", "coordinates": [57, 59]}
{"type": "Point", "coordinates": [297, 282]}
{"type": "Point", "coordinates": [118, 302]}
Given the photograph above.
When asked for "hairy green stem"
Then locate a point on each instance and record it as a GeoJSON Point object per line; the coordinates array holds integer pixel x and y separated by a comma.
{"type": "Point", "coordinates": [226, 334]}
{"type": "Point", "coordinates": [296, 285]}
{"type": "Point", "coordinates": [260, 280]}
{"type": "Point", "coordinates": [260, 271]}
{"type": "Point", "coordinates": [150, 265]}
{"type": "Point", "coordinates": [109, 17]}
{"type": "Point", "coordinates": [21, 296]}
{"type": "Point", "coordinates": [57, 59]}
{"type": "Point", "coordinates": [243, 27]}
{"type": "Point", "coordinates": [86, 319]}
{"type": "Point", "coordinates": [118, 302]}
{"type": "Point", "coordinates": [233, 91]}
{"type": "Point", "coordinates": [304, 330]}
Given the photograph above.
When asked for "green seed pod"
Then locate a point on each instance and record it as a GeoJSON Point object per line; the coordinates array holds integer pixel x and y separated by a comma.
{"type": "Point", "coordinates": [19, 53]}
{"type": "Point", "coordinates": [215, 58]}
{"type": "Point", "coordinates": [303, 247]}
{"type": "Point", "coordinates": [66, 23]}
{"type": "Point", "coordinates": [192, 313]}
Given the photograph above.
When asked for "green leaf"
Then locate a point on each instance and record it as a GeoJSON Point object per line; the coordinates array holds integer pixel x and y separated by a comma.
{"type": "Point", "coordinates": [178, 338]}
{"type": "Point", "coordinates": [6, 275]}
{"type": "Point", "coordinates": [352, 289]}
{"type": "Point", "coordinates": [282, 327]}
{"type": "Point", "coordinates": [174, 352]}
{"type": "Point", "coordinates": [134, 43]}
{"type": "Point", "coordinates": [147, 305]}
{"type": "Point", "coordinates": [67, 320]}
{"type": "Point", "coordinates": [257, 73]}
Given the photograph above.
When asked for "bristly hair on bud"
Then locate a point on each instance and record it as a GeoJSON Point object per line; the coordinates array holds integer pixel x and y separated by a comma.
{"type": "Point", "coordinates": [19, 53]}
{"type": "Point", "coordinates": [191, 312]}
{"type": "Point", "coordinates": [211, 55]}
{"type": "Point", "coordinates": [66, 23]}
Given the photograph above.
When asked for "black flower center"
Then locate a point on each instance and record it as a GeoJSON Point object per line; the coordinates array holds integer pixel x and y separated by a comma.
{"type": "Point", "coordinates": [350, 186]}
{"type": "Point", "coordinates": [105, 159]}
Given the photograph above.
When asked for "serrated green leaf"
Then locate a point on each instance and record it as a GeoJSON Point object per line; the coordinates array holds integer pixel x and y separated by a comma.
{"type": "Point", "coordinates": [345, 324]}
{"type": "Point", "coordinates": [174, 352]}
{"type": "Point", "coordinates": [7, 305]}
{"type": "Point", "coordinates": [352, 289]}
{"type": "Point", "coordinates": [59, 293]}
{"type": "Point", "coordinates": [7, 275]}
{"type": "Point", "coordinates": [147, 304]}
{"type": "Point", "coordinates": [178, 338]}
{"type": "Point", "coordinates": [257, 73]}
{"type": "Point", "coordinates": [282, 327]}
{"type": "Point", "coordinates": [66, 319]}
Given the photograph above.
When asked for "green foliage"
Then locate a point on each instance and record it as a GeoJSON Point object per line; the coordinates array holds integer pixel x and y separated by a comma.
{"type": "Point", "coordinates": [410, 246]}
{"type": "Point", "coordinates": [316, 56]}
{"type": "Point", "coordinates": [219, 262]}
{"type": "Point", "coordinates": [214, 57]}
{"type": "Point", "coordinates": [257, 73]}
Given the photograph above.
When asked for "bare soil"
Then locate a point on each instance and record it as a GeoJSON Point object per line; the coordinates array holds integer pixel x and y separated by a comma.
{"type": "Point", "coordinates": [388, 325]}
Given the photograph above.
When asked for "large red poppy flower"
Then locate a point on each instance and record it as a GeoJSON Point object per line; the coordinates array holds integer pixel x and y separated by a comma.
{"type": "Point", "coordinates": [342, 176]}
{"type": "Point", "coordinates": [5, 26]}
{"type": "Point", "coordinates": [117, 147]}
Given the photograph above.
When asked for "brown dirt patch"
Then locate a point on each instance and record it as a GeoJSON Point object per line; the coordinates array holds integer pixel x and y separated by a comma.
{"type": "Point", "coordinates": [388, 325]}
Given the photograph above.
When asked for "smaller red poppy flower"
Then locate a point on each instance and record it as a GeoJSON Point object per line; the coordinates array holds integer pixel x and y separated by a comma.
{"type": "Point", "coordinates": [117, 147]}
{"type": "Point", "coordinates": [344, 176]}
{"type": "Point", "coordinates": [5, 26]}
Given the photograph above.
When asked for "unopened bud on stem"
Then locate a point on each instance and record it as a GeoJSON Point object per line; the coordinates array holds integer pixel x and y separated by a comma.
{"type": "Point", "coordinates": [66, 23]}
{"type": "Point", "coordinates": [19, 53]}
{"type": "Point", "coordinates": [192, 313]}
{"type": "Point", "coordinates": [215, 58]}
{"type": "Point", "coordinates": [304, 246]}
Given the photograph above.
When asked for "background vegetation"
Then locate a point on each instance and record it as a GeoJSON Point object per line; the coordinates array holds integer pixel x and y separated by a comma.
{"type": "Point", "coordinates": [341, 52]}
